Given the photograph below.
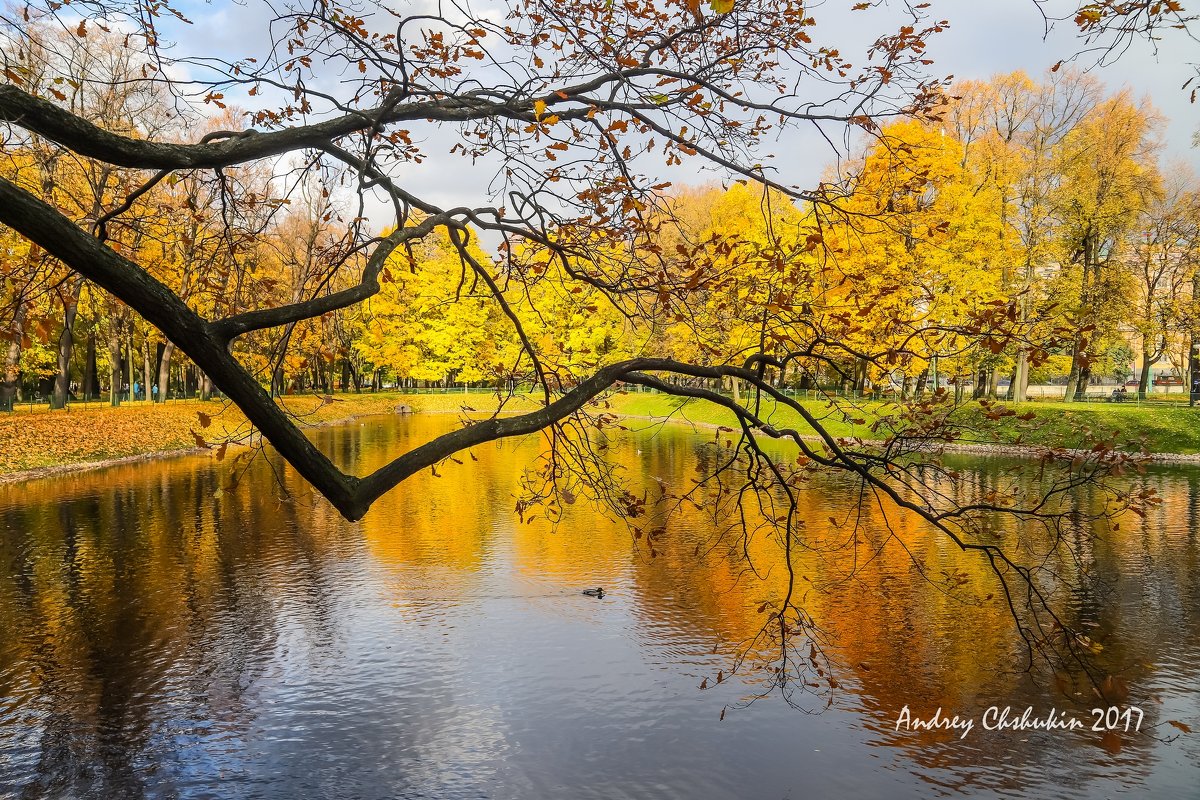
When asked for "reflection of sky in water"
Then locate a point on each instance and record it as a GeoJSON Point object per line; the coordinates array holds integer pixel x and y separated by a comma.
{"type": "Point", "coordinates": [157, 642]}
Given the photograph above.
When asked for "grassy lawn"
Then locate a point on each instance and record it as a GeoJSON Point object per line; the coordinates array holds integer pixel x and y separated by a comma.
{"type": "Point", "coordinates": [1165, 428]}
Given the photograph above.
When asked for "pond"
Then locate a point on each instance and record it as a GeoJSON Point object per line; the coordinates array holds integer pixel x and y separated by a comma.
{"type": "Point", "coordinates": [165, 636]}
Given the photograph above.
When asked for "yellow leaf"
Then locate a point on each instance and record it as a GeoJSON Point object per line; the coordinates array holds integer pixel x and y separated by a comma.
{"type": "Point", "coordinates": [539, 108]}
{"type": "Point", "coordinates": [721, 6]}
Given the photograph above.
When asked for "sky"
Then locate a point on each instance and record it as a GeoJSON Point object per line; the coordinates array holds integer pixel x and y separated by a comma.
{"type": "Point", "coordinates": [985, 37]}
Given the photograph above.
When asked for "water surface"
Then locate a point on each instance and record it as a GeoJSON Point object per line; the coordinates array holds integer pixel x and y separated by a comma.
{"type": "Point", "coordinates": [163, 635]}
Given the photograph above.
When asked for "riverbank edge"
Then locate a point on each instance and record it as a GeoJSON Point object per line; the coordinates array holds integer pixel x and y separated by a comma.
{"type": "Point", "coordinates": [965, 448]}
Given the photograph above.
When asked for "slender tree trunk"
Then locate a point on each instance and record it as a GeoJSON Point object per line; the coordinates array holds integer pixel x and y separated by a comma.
{"type": "Point", "coordinates": [860, 376]}
{"type": "Point", "coordinates": [12, 359]}
{"type": "Point", "coordinates": [114, 366]}
{"type": "Point", "coordinates": [10, 389]}
{"type": "Point", "coordinates": [164, 372]}
{"type": "Point", "coordinates": [1019, 388]}
{"type": "Point", "coordinates": [1192, 378]}
{"type": "Point", "coordinates": [981, 384]}
{"type": "Point", "coordinates": [66, 346]}
{"type": "Point", "coordinates": [147, 368]}
{"type": "Point", "coordinates": [1085, 378]}
{"type": "Point", "coordinates": [129, 363]}
{"type": "Point", "coordinates": [1144, 376]}
{"type": "Point", "coordinates": [1073, 375]}
{"type": "Point", "coordinates": [91, 380]}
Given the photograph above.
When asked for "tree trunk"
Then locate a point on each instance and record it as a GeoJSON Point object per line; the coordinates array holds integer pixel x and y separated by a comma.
{"type": "Point", "coordinates": [1085, 377]}
{"type": "Point", "coordinates": [1020, 378]}
{"type": "Point", "coordinates": [91, 380]}
{"type": "Point", "coordinates": [860, 376]}
{"type": "Point", "coordinates": [12, 359]}
{"type": "Point", "coordinates": [129, 363]}
{"type": "Point", "coordinates": [1193, 375]}
{"type": "Point", "coordinates": [205, 387]}
{"type": "Point", "coordinates": [66, 345]}
{"type": "Point", "coordinates": [981, 384]}
{"type": "Point", "coordinates": [164, 372]}
{"type": "Point", "coordinates": [147, 368]}
{"type": "Point", "coordinates": [1144, 377]}
{"type": "Point", "coordinates": [1073, 375]}
{"type": "Point", "coordinates": [114, 367]}
{"type": "Point", "coordinates": [10, 388]}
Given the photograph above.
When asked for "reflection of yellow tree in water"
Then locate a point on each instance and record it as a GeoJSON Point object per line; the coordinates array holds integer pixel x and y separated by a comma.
{"type": "Point", "coordinates": [908, 616]}
{"type": "Point", "coordinates": [145, 579]}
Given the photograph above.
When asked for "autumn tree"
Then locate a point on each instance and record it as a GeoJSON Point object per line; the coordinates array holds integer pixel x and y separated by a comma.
{"type": "Point", "coordinates": [1162, 254]}
{"type": "Point", "coordinates": [1107, 168]}
{"type": "Point", "coordinates": [1010, 127]}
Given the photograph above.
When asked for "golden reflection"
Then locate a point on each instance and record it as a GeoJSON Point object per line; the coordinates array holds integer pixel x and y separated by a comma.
{"type": "Point", "coordinates": [162, 560]}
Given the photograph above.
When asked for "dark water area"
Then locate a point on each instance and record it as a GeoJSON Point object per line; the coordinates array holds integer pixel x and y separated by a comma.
{"type": "Point", "coordinates": [165, 636]}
